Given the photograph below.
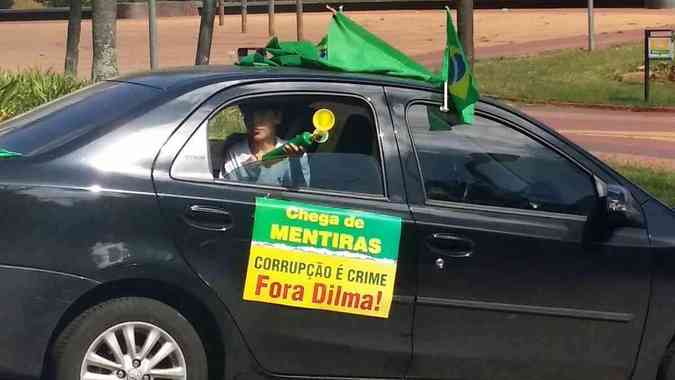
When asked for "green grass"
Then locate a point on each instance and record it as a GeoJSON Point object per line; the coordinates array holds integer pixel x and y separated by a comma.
{"type": "Point", "coordinates": [657, 181]}
{"type": "Point", "coordinates": [572, 76]}
{"type": "Point", "coordinates": [24, 90]}
{"type": "Point", "coordinates": [27, 4]}
{"type": "Point", "coordinates": [226, 122]}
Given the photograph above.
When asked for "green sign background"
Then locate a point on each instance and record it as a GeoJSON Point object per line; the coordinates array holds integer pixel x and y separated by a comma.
{"type": "Point", "coordinates": [384, 227]}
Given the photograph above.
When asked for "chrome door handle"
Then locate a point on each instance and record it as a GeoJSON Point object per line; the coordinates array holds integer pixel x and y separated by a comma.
{"type": "Point", "coordinates": [451, 246]}
{"type": "Point", "coordinates": [208, 218]}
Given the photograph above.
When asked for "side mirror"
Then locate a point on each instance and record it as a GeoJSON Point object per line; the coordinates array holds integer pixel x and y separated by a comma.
{"type": "Point", "coordinates": [619, 206]}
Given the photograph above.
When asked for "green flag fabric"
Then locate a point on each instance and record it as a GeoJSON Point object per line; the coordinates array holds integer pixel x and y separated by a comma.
{"type": "Point", "coordinates": [301, 54]}
{"type": "Point", "coordinates": [455, 69]}
{"type": "Point", "coordinates": [349, 47]}
{"type": "Point", "coordinates": [7, 154]}
{"type": "Point", "coordinates": [352, 48]}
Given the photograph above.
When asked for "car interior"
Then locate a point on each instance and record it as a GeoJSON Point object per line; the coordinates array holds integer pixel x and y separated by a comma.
{"type": "Point", "coordinates": [349, 161]}
{"type": "Point", "coordinates": [487, 163]}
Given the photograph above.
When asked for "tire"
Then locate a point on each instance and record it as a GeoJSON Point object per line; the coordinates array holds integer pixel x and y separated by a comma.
{"type": "Point", "coordinates": [91, 332]}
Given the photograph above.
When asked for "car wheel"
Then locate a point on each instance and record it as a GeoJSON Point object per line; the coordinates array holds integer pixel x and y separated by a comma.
{"type": "Point", "coordinates": [130, 339]}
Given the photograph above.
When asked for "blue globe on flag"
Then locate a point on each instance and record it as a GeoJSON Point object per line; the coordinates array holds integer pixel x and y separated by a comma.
{"type": "Point", "coordinates": [457, 68]}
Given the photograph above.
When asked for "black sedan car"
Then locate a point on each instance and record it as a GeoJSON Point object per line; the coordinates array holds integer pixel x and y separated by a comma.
{"type": "Point", "coordinates": [133, 208]}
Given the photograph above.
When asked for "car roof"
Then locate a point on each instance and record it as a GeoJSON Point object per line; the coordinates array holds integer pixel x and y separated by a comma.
{"type": "Point", "coordinates": [198, 76]}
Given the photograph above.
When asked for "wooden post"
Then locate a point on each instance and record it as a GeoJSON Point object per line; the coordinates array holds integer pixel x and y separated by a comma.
{"type": "Point", "coordinates": [221, 12]}
{"type": "Point", "coordinates": [206, 33]}
{"type": "Point", "coordinates": [647, 64]}
{"type": "Point", "coordinates": [152, 25]}
{"type": "Point", "coordinates": [244, 14]}
{"type": "Point", "coordinates": [591, 26]}
{"type": "Point", "coordinates": [270, 17]}
{"type": "Point", "coordinates": [465, 26]}
{"type": "Point", "coordinates": [299, 11]}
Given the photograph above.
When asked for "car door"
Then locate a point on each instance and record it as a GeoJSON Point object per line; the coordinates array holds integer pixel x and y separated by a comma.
{"type": "Point", "coordinates": [212, 220]}
{"type": "Point", "coordinates": [515, 282]}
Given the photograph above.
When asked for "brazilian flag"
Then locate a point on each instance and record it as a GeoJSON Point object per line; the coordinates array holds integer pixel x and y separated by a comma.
{"type": "Point", "coordinates": [462, 86]}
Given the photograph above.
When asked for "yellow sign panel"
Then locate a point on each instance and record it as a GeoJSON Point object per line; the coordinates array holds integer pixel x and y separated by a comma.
{"type": "Point", "coordinates": [322, 258]}
{"type": "Point", "coordinates": [316, 281]}
{"type": "Point", "coordinates": [660, 47]}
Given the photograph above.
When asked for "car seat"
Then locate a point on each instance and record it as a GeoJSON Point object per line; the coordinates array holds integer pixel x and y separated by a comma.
{"type": "Point", "coordinates": [357, 136]}
{"type": "Point", "coordinates": [217, 149]}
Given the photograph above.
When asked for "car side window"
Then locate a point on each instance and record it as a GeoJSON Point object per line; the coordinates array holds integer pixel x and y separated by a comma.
{"type": "Point", "coordinates": [232, 146]}
{"type": "Point", "coordinates": [488, 163]}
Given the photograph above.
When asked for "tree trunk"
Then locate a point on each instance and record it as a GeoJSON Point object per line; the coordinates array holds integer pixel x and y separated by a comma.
{"type": "Point", "coordinates": [244, 14]}
{"type": "Point", "coordinates": [271, 27]}
{"type": "Point", "coordinates": [104, 30]}
{"type": "Point", "coordinates": [591, 25]}
{"type": "Point", "coordinates": [465, 21]}
{"type": "Point", "coordinates": [206, 32]}
{"type": "Point", "coordinates": [73, 40]}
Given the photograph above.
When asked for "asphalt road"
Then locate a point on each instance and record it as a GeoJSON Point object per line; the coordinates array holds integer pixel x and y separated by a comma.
{"type": "Point", "coordinates": [627, 135]}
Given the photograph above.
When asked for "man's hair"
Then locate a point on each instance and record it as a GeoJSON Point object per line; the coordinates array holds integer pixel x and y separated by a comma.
{"type": "Point", "coordinates": [249, 108]}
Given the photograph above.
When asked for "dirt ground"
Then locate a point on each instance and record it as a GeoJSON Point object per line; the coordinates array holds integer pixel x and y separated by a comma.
{"type": "Point", "coordinates": [418, 33]}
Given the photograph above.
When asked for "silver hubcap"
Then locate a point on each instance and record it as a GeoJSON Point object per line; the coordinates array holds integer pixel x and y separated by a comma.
{"type": "Point", "coordinates": [134, 351]}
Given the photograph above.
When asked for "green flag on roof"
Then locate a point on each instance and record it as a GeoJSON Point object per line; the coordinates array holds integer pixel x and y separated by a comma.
{"type": "Point", "coordinates": [349, 47]}
{"type": "Point", "coordinates": [455, 69]}
{"type": "Point", "coordinates": [301, 54]}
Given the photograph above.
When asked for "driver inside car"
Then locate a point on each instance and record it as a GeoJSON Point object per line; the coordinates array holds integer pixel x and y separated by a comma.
{"type": "Point", "coordinates": [243, 160]}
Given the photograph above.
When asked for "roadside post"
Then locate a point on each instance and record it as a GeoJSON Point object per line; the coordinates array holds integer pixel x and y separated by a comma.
{"type": "Point", "coordinates": [591, 26]}
{"type": "Point", "coordinates": [221, 12]}
{"type": "Point", "coordinates": [659, 46]}
{"type": "Point", "coordinates": [270, 18]}
{"type": "Point", "coordinates": [152, 25]}
{"type": "Point", "coordinates": [244, 14]}
{"type": "Point", "coordinates": [299, 16]}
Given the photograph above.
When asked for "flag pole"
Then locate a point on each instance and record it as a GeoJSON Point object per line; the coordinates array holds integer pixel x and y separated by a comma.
{"type": "Point", "coordinates": [444, 107]}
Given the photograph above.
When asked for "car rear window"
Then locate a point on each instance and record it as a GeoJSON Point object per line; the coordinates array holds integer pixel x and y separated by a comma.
{"type": "Point", "coordinates": [62, 120]}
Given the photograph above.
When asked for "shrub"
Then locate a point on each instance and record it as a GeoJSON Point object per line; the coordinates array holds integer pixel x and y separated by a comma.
{"type": "Point", "coordinates": [24, 90]}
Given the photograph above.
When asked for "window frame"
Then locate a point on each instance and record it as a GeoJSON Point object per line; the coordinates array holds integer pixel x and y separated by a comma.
{"type": "Point", "coordinates": [502, 209]}
{"type": "Point", "coordinates": [384, 196]}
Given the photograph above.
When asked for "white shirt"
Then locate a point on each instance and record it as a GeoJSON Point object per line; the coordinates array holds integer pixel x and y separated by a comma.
{"type": "Point", "coordinates": [240, 165]}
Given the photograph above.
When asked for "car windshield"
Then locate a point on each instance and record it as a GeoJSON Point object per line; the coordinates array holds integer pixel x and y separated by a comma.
{"type": "Point", "coordinates": [60, 121]}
